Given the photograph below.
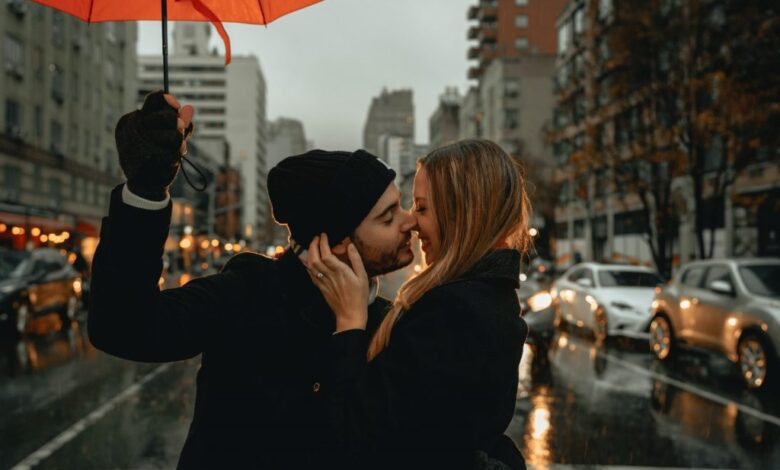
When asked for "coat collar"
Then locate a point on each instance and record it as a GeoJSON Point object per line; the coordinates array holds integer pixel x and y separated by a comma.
{"type": "Point", "coordinates": [502, 264]}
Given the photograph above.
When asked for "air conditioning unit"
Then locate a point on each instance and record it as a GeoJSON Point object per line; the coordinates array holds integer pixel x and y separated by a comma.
{"type": "Point", "coordinates": [13, 69]}
{"type": "Point", "coordinates": [17, 7]}
{"type": "Point", "coordinates": [14, 132]}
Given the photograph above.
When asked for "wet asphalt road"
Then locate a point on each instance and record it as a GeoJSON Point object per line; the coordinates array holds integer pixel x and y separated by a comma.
{"type": "Point", "coordinates": [64, 405]}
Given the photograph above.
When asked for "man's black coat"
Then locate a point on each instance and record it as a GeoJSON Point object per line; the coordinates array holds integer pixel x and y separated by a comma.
{"type": "Point", "coordinates": [262, 328]}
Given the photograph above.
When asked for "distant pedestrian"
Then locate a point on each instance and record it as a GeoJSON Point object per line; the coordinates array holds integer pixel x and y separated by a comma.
{"type": "Point", "coordinates": [436, 386]}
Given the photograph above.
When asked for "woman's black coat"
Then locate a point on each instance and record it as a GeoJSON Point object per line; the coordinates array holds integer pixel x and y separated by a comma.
{"type": "Point", "coordinates": [263, 330]}
{"type": "Point", "coordinates": [445, 387]}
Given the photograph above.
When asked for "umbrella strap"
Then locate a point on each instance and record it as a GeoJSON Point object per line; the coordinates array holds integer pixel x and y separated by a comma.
{"type": "Point", "coordinates": [204, 10]}
{"type": "Point", "coordinates": [202, 176]}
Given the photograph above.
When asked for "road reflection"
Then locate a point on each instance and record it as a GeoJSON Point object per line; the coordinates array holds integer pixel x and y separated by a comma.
{"type": "Point", "coordinates": [53, 344]}
{"type": "Point", "coordinates": [614, 405]}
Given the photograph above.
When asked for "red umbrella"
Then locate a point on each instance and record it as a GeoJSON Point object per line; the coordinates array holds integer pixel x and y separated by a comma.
{"type": "Point", "coordinates": [215, 11]}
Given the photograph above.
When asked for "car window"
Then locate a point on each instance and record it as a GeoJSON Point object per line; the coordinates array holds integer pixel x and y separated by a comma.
{"type": "Point", "coordinates": [588, 274]}
{"type": "Point", "coordinates": [576, 275]}
{"type": "Point", "coordinates": [718, 273]}
{"type": "Point", "coordinates": [618, 278]}
{"type": "Point", "coordinates": [762, 279]}
{"type": "Point", "coordinates": [38, 267]}
{"type": "Point", "coordinates": [13, 263]}
{"type": "Point", "coordinates": [693, 276]}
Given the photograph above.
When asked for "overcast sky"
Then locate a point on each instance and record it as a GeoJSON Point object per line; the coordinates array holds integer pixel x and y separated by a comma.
{"type": "Point", "coordinates": [323, 64]}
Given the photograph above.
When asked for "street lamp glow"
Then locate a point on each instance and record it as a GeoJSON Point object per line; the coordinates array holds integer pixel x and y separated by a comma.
{"type": "Point", "coordinates": [229, 246]}
{"type": "Point", "coordinates": [35, 231]}
{"type": "Point", "coordinates": [204, 244]}
{"type": "Point", "coordinates": [215, 243]}
{"type": "Point", "coordinates": [185, 243]}
{"type": "Point", "coordinates": [533, 232]}
{"type": "Point", "coordinates": [3, 228]}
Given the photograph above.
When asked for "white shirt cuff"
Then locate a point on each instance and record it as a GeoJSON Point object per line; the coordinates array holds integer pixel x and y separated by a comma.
{"type": "Point", "coordinates": [137, 201]}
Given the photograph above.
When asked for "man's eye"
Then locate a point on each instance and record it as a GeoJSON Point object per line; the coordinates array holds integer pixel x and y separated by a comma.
{"type": "Point", "coordinates": [389, 221]}
{"type": "Point", "coordinates": [419, 209]}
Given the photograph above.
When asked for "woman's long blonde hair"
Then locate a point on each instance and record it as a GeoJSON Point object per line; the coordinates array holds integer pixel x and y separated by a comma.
{"type": "Point", "coordinates": [478, 196]}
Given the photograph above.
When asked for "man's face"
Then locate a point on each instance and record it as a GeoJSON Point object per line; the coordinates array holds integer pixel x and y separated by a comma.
{"type": "Point", "coordinates": [384, 237]}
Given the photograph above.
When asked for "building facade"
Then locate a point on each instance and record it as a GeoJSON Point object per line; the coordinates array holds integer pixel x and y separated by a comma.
{"type": "Point", "coordinates": [596, 135]}
{"type": "Point", "coordinates": [63, 87]}
{"type": "Point", "coordinates": [444, 123]}
{"type": "Point", "coordinates": [230, 105]}
{"type": "Point", "coordinates": [511, 28]}
{"type": "Point", "coordinates": [392, 112]}
{"type": "Point", "coordinates": [286, 137]}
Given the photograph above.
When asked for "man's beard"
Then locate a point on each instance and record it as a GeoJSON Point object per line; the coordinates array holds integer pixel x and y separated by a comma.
{"type": "Point", "coordinates": [377, 262]}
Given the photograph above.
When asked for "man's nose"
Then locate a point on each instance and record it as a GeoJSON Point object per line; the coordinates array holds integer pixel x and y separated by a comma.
{"type": "Point", "coordinates": [409, 223]}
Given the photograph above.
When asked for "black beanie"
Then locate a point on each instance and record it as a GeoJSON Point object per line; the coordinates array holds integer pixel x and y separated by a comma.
{"type": "Point", "coordinates": [330, 192]}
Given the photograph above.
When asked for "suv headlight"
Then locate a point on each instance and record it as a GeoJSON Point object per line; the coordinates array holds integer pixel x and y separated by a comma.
{"type": "Point", "coordinates": [540, 301]}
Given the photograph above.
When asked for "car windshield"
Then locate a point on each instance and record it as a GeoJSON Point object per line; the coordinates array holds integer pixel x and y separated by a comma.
{"type": "Point", "coordinates": [617, 278]}
{"type": "Point", "coordinates": [13, 263]}
{"type": "Point", "coordinates": [762, 279]}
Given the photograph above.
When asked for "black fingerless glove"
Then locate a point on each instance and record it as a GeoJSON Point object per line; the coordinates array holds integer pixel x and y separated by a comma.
{"type": "Point", "coordinates": [148, 144]}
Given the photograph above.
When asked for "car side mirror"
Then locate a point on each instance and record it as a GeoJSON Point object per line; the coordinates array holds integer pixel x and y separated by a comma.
{"type": "Point", "coordinates": [721, 287]}
{"type": "Point", "coordinates": [585, 282]}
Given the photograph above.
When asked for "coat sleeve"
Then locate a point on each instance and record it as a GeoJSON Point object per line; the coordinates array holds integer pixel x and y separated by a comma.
{"type": "Point", "coordinates": [420, 394]}
{"type": "Point", "coordinates": [129, 316]}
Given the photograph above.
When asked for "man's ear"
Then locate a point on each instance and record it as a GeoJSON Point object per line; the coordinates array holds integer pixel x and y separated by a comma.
{"type": "Point", "coordinates": [341, 248]}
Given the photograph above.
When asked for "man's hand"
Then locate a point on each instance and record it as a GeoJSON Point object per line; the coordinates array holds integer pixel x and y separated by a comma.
{"type": "Point", "coordinates": [151, 141]}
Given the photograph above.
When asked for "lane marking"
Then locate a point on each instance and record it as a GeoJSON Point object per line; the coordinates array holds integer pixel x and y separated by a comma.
{"type": "Point", "coordinates": [695, 390]}
{"type": "Point", "coordinates": [81, 425]}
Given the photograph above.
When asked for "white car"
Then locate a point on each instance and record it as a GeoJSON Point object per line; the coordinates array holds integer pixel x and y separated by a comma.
{"type": "Point", "coordinates": [609, 299]}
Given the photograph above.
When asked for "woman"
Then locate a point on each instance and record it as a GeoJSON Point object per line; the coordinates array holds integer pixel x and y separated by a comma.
{"type": "Point", "coordinates": [436, 385]}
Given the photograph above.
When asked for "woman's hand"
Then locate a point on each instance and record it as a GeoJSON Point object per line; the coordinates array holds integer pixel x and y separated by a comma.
{"type": "Point", "coordinates": [345, 288]}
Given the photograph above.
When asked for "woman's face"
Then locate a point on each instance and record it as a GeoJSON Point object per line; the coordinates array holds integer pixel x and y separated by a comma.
{"type": "Point", "coordinates": [427, 227]}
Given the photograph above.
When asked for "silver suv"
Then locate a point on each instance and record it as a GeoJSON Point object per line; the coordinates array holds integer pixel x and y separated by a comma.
{"type": "Point", "coordinates": [730, 306]}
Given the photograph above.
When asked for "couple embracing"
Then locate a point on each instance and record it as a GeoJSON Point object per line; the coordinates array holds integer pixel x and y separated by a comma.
{"type": "Point", "coordinates": [303, 365]}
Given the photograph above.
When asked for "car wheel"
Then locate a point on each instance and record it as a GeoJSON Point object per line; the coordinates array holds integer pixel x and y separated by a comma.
{"type": "Point", "coordinates": [22, 318]}
{"type": "Point", "coordinates": [600, 331]}
{"type": "Point", "coordinates": [754, 360]}
{"type": "Point", "coordinates": [661, 337]}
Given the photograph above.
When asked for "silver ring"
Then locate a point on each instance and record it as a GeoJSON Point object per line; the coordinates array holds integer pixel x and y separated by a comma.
{"type": "Point", "coordinates": [320, 275]}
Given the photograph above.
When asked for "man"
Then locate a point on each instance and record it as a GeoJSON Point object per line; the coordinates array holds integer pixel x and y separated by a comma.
{"type": "Point", "coordinates": [262, 327]}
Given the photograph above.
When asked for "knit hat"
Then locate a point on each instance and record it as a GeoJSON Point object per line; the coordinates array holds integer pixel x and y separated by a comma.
{"type": "Point", "coordinates": [331, 192]}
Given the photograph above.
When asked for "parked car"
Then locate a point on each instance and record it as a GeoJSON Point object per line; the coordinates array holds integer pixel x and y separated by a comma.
{"type": "Point", "coordinates": [34, 283]}
{"type": "Point", "coordinates": [609, 299]}
{"type": "Point", "coordinates": [729, 306]}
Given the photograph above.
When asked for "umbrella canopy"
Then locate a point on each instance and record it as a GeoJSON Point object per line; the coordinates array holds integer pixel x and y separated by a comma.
{"type": "Point", "coordinates": [231, 11]}
{"type": "Point", "coordinates": [214, 11]}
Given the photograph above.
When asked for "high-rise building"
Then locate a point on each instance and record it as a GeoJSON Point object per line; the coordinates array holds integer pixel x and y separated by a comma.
{"type": "Point", "coordinates": [470, 115]}
{"type": "Point", "coordinates": [286, 137]}
{"type": "Point", "coordinates": [64, 86]}
{"type": "Point", "coordinates": [230, 104]}
{"type": "Point", "coordinates": [516, 97]}
{"type": "Point", "coordinates": [444, 123]}
{"type": "Point", "coordinates": [392, 112]}
{"type": "Point", "coordinates": [511, 28]}
{"type": "Point", "coordinates": [601, 213]}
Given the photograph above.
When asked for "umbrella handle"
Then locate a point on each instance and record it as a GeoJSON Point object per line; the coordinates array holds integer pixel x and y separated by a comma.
{"type": "Point", "coordinates": [165, 43]}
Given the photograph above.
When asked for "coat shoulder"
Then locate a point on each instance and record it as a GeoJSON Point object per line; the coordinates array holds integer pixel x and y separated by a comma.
{"type": "Point", "coordinates": [249, 261]}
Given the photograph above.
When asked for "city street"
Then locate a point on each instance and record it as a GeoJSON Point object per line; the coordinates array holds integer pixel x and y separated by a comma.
{"type": "Point", "coordinates": [65, 405]}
